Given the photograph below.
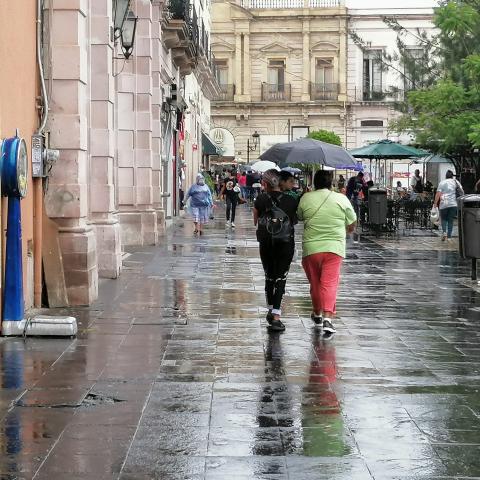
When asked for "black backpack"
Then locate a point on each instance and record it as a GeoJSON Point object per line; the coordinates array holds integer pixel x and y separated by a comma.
{"type": "Point", "coordinates": [275, 224]}
{"type": "Point", "coordinates": [418, 186]}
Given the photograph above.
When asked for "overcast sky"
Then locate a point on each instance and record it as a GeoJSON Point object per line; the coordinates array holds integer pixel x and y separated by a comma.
{"type": "Point", "coordinates": [383, 4]}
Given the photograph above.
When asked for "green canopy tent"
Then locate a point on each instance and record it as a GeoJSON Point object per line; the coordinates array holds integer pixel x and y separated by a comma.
{"type": "Point", "coordinates": [386, 150]}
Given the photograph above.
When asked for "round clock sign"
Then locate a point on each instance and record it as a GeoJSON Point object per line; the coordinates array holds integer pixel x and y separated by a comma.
{"type": "Point", "coordinates": [14, 167]}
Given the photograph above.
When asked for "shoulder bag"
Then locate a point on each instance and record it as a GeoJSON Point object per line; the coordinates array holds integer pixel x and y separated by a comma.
{"type": "Point", "coordinates": [317, 210]}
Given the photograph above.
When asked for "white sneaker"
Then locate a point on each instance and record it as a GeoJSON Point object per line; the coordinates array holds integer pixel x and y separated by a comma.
{"type": "Point", "coordinates": [232, 225]}
{"type": "Point", "coordinates": [227, 224]}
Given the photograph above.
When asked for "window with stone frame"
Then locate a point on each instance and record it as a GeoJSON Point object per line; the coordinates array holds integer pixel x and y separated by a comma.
{"type": "Point", "coordinates": [276, 74]}
{"type": "Point", "coordinates": [412, 69]}
{"type": "Point", "coordinates": [372, 75]}
{"type": "Point", "coordinates": [324, 73]}
{"type": "Point", "coordinates": [222, 72]}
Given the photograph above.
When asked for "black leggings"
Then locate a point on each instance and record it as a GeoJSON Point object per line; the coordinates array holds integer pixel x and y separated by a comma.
{"type": "Point", "coordinates": [231, 207]}
{"type": "Point", "coordinates": [276, 260]}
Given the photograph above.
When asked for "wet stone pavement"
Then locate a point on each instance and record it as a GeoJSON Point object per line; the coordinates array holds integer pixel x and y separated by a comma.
{"type": "Point", "coordinates": [174, 376]}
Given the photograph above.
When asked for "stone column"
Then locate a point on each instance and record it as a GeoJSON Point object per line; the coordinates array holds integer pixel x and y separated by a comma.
{"type": "Point", "coordinates": [157, 100]}
{"type": "Point", "coordinates": [342, 60]}
{"type": "Point", "coordinates": [237, 71]}
{"type": "Point", "coordinates": [306, 61]}
{"type": "Point", "coordinates": [103, 213]}
{"type": "Point", "coordinates": [247, 68]}
{"type": "Point", "coordinates": [137, 216]}
{"type": "Point", "coordinates": [67, 199]}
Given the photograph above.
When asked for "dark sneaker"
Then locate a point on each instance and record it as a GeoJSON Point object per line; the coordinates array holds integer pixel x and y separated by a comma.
{"type": "Point", "coordinates": [269, 317]}
{"type": "Point", "coordinates": [328, 329]}
{"type": "Point", "coordinates": [318, 319]}
{"type": "Point", "coordinates": [277, 326]}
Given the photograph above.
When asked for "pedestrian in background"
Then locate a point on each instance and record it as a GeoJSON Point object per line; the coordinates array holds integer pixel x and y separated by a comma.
{"type": "Point", "coordinates": [287, 184]}
{"type": "Point", "coordinates": [417, 182]}
{"type": "Point", "coordinates": [328, 216]}
{"type": "Point", "coordinates": [230, 193]}
{"type": "Point", "coordinates": [242, 182]}
{"type": "Point", "coordinates": [354, 192]}
{"type": "Point", "coordinates": [201, 203]}
{"type": "Point", "coordinates": [446, 200]}
{"type": "Point", "coordinates": [276, 255]}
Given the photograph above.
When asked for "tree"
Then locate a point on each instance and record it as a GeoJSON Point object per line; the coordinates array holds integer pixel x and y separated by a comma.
{"type": "Point", "coordinates": [325, 136]}
{"type": "Point", "coordinates": [445, 117]}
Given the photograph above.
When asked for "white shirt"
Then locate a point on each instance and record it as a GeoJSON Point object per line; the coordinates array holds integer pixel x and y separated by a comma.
{"type": "Point", "coordinates": [448, 189]}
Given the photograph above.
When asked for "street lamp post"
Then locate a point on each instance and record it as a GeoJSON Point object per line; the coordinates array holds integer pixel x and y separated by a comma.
{"type": "Point", "coordinates": [253, 146]}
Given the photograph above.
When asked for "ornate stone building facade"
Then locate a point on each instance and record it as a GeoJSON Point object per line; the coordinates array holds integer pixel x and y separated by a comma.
{"type": "Point", "coordinates": [121, 127]}
{"type": "Point", "coordinates": [282, 69]}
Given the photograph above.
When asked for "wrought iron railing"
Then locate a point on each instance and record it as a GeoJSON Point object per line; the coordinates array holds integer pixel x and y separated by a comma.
{"type": "Point", "coordinates": [274, 92]}
{"type": "Point", "coordinates": [285, 4]}
{"type": "Point", "coordinates": [323, 91]}
{"type": "Point", "coordinates": [194, 31]}
{"type": "Point", "coordinates": [377, 95]}
{"type": "Point", "coordinates": [227, 93]}
{"type": "Point", "coordinates": [178, 9]}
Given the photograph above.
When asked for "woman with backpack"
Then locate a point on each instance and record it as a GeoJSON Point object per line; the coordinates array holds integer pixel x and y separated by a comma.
{"type": "Point", "coordinates": [328, 216]}
{"type": "Point", "coordinates": [274, 214]}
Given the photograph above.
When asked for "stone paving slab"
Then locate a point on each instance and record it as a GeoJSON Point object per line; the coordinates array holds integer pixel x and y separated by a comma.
{"type": "Point", "coordinates": [174, 376]}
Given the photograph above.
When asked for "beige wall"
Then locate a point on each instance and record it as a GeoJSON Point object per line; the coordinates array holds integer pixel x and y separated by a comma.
{"type": "Point", "coordinates": [18, 87]}
{"type": "Point", "coordinates": [248, 39]}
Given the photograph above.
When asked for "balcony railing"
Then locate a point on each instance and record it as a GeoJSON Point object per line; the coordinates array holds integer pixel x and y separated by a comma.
{"type": "Point", "coordinates": [181, 34]}
{"type": "Point", "coordinates": [227, 93]}
{"type": "Point", "coordinates": [286, 4]}
{"type": "Point", "coordinates": [178, 10]}
{"type": "Point", "coordinates": [323, 91]}
{"type": "Point", "coordinates": [380, 96]}
{"type": "Point", "coordinates": [273, 92]}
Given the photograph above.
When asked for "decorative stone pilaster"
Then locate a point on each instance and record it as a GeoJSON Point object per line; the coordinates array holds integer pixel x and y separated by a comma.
{"type": "Point", "coordinates": [342, 60]}
{"type": "Point", "coordinates": [238, 67]}
{"type": "Point", "coordinates": [103, 213]}
{"type": "Point", "coordinates": [67, 198]}
{"type": "Point", "coordinates": [247, 68]}
{"type": "Point", "coordinates": [138, 217]}
{"type": "Point", "coordinates": [306, 61]}
{"type": "Point", "coordinates": [157, 100]}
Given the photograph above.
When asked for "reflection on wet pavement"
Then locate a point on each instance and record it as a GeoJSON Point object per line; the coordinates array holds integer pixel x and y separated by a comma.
{"type": "Point", "coordinates": [174, 376]}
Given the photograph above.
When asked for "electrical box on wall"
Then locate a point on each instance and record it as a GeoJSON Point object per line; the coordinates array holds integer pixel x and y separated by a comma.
{"type": "Point", "coordinates": [37, 156]}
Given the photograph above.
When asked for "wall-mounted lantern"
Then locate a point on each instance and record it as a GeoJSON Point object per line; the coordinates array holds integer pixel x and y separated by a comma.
{"type": "Point", "coordinates": [120, 11]}
{"type": "Point", "coordinates": [128, 34]}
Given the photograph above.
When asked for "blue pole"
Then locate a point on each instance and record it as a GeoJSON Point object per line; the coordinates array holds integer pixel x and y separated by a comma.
{"type": "Point", "coordinates": [13, 308]}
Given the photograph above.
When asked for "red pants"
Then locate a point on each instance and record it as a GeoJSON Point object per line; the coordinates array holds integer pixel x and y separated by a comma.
{"type": "Point", "coordinates": [323, 273]}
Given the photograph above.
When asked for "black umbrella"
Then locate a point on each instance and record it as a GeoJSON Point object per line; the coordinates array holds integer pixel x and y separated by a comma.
{"type": "Point", "coordinates": [309, 151]}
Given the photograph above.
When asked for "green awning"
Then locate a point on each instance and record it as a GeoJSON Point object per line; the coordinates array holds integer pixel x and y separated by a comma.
{"type": "Point", "coordinates": [388, 150]}
{"type": "Point", "coordinates": [208, 148]}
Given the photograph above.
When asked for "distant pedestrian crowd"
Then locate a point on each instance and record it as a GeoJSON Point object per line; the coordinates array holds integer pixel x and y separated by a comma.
{"type": "Point", "coordinates": [279, 202]}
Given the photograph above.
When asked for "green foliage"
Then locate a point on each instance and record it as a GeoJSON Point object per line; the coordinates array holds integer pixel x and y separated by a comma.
{"type": "Point", "coordinates": [209, 181]}
{"type": "Point", "coordinates": [325, 136]}
{"type": "Point", "coordinates": [445, 116]}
